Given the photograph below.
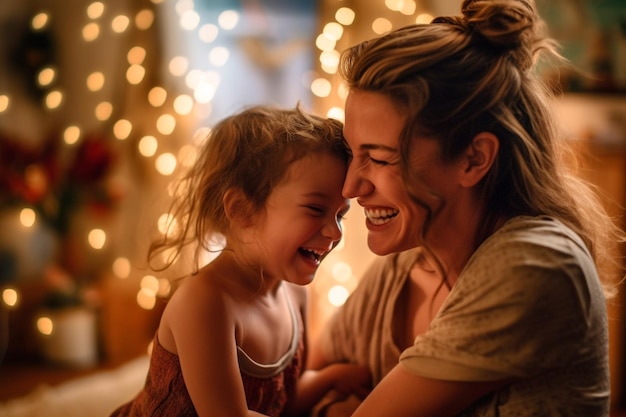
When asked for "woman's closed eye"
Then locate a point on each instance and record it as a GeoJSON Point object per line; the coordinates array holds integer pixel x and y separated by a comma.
{"type": "Point", "coordinates": [378, 161]}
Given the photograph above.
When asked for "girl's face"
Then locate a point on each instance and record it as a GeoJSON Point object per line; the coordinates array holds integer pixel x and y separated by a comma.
{"type": "Point", "coordinates": [372, 130]}
{"type": "Point", "coordinates": [302, 220]}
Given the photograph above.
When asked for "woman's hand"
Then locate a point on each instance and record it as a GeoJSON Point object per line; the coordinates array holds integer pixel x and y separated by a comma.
{"type": "Point", "coordinates": [349, 379]}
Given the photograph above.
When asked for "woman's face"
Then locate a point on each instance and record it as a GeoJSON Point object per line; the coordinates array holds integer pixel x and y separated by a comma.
{"type": "Point", "coordinates": [394, 220]}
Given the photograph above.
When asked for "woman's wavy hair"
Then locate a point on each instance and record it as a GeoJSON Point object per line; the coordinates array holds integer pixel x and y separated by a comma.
{"type": "Point", "coordinates": [462, 75]}
{"type": "Point", "coordinates": [250, 151]}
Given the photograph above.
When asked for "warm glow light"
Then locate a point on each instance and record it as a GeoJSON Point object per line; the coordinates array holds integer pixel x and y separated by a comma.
{"type": "Point", "coordinates": [95, 10]}
{"type": "Point", "coordinates": [178, 66]}
{"type": "Point", "coordinates": [91, 31]}
{"type": "Point", "coordinates": [165, 164]}
{"type": "Point", "coordinates": [321, 87]}
{"type": "Point", "coordinates": [203, 84]}
{"type": "Point", "coordinates": [424, 18]}
{"type": "Point", "coordinates": [148, 146]}
{"type": "Point", "coordinates": [408, 7]}
{"type": "Point", "coordinates": [135, 74]}
{"type": "Point", "coordinates": [219, 56]}
{"type": "Point", "coordinates": [208, 33]}
{"type": "Point", "coordinates": [338, 295]}
{"type": "Point", "coordinates": [71, 134]}
{"type": "Point", "coordinates": [150, 283]}
{"type": "Point", "coordinates": [28, 217]}
{"type": "Point", "coordinates": [183, 5]}
{"type": "Point", "coordinates": [136, 55]}
{"type": "Point", "coordinates": [204, 93]}
{"type": "Point", "coordinates": [333, 30]}
{"type": "Point", "coordinates": [183, 104]}
{"type": "Point", "coordinates": [166, 123]}
{"type": "Point", "coordinates": [104, 110]}
{"type": "Point", "coordinates": [46, 76]}
{"type": "Point", "coordinates": [54, 99]}
{"type": "Point", "coordinates": [228, 19]}
{"type": "Point", "coordinates": [121, 267]}
{"type": "Point", "coordinates": [325, 43]}
{"type": "Point", "coordinates": [167, 224]}
{"type": "Point", "coordinates": [45, 325]}
{"type": "Point", "coordinates": [342, 272]}
{"type": "Point", "coordinates": [4, 103]}
{"type": "Point", "coordinates": [381, 25]}
{"type": "Point", "coordinates": [342, 91]}
{"type": "Point", "coordinates": [97, 238]}
{"type": "Point", "coordinates": [329, 61]}
{"type": "Point", "coordinates": [187, 155]}
{"type": "Point", "coordinates": [157, 96]}
{"type": "Point", "coordinates": [40, 21]}
{"type": "Point", "coordinates": [10, 297]}
{"type": "Point", "coordinates": [120, 23]}
{"type": "Point", "coordinates": [194, 78]}
{"type": "Point", "coordinates": [189, 20]}
{"type": "Point", "coordinates": [144, 19]}
{"type": "Point", "coordinates": [394, 5]}
{"type": "Point", "coordinates": [336, 113]}
{"type": "Point", "coordinates": [146, 299]}
{"type": "Point", "coordinates": [95, 81]}
{"type": "Point", "coordinates": [122, 129]}
{"type": "Point", "coordinates": [345, 16]}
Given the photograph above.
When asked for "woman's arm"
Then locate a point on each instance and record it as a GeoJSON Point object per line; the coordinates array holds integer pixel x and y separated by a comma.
{"type": "Point", "coordinates": [402, 393]}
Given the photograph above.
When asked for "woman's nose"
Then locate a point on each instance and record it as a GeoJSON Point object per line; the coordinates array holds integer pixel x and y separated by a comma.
{"type": "Point", "coordinates": [355, 184]}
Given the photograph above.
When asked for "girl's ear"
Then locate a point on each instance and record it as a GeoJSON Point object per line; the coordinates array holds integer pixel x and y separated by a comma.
{"type": "Point", "coordinates": [479, 157]}
{"type": "Point", "coordinates": [238, 208]}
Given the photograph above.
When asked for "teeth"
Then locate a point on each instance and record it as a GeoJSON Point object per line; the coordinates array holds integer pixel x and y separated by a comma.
{"type": "Point", "coordinates": [380, 216]}
{"type": "Point", "coordinates": [314, 253]}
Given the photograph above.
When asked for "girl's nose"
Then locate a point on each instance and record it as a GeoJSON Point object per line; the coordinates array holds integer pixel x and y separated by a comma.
{"type": "Point", "coordinates": [332, 230]}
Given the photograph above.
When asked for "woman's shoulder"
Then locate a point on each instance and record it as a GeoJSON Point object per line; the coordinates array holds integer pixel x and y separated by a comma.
{"type": "Point", "coordinates": [535, 233]}
{"type": "Point", "coordinates": [539, 250]}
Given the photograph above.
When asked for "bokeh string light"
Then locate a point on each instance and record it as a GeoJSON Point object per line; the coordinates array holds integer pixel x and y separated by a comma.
{"type": "Point", "coordinates": [183, 104]}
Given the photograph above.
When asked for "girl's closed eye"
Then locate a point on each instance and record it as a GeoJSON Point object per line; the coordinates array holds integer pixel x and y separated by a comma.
{"type": "Point", "coordinates": [317, 210]}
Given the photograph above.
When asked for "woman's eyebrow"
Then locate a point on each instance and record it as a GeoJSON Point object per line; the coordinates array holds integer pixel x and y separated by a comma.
{"type": "Point", "coordinates": [376, 146]}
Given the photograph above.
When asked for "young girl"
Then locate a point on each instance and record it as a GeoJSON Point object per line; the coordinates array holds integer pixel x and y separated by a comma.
{"type": "Point", "coordinates": [231, 341]}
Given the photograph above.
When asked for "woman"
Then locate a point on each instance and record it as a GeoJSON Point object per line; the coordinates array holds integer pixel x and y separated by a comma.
{"type": "Point", "coordinates": [500, 311]}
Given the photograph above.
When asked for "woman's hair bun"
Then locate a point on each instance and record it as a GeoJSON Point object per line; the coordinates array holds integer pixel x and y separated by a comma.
{"type": "Point", "coordinates": [510, 25]}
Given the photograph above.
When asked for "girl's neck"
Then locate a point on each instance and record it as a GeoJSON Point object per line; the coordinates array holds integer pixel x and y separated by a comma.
{"type": "Point", "coordinates": [241, 273]}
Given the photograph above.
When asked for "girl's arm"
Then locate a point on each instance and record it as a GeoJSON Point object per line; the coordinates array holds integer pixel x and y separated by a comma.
{"type": "Point", "coordinates": [202, 323]}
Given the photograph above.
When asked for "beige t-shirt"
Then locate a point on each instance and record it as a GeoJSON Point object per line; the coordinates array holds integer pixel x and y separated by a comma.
{"type": "Point", "coordinates": [361, 331]}
{"type": "Point", "coordinates": [529, 306]}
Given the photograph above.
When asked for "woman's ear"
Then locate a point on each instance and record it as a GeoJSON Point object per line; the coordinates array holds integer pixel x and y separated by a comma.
{"type": "Point", "coordinates": [237, 207]}
{"type": "Point", "coordinates": [479, 157]}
